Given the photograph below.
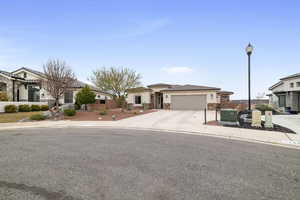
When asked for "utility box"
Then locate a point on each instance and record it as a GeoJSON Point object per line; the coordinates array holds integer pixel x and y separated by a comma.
{"type": "Point", "coordinates": [229, 117]}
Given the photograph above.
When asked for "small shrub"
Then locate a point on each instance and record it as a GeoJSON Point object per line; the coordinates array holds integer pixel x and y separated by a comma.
{"type": "Point", "coordinates": [103, 112]}
{"type": "Point", "coordinates": [264, 107]}
{"type": "Point", "coordinates": [24, 108]}
{"type": "Point", "coordinates": [69, 112]}
{"type": "Point", "coordinates": [10, 109]}
{"type": "Point", "coordinates": [135, 113]}
{"type": "Point", "coordinates": [37, 117]}
{"type": "Point", "coordinates": [44, 107]}
{"type": "Point", "coordinates": [3, 96]}
{"type": "Point", "coordinates": [35, 108]}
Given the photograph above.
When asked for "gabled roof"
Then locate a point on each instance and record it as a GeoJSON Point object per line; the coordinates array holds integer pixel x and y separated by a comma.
{"type": "Point", "coordinates": [29, 70]}
{"type": "Point", "coordinates": [10, 75]}
{"type": "Point", "coordinates": [139, 89]}
{"type": "Point", "coordinates": [291, 76]}
{"type": "Point", "coordinates": [160, 85]}
{"type": "Point", "coordinates": [276, 85]}
{"type": "Point", "coordinates": [191, 88]}
{"type": "Point", "coordinates": [225, 92]}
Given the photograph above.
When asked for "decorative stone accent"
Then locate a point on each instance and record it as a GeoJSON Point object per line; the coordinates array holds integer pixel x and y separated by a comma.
{"type": "Point", "coordinates": [167, 106]}
{"type": "Point", "coordinates": [9, 87]}
{"type": "Point", "coordinates": [256, 118]}
{"type": "Point", "coordinates": [268, 119]}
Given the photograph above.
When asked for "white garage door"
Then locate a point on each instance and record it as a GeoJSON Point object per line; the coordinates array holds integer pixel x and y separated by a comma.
{"type": "Point", "coordinates": [188, 102]}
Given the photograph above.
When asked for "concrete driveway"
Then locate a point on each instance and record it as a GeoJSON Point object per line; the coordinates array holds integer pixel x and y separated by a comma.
{"type": "Point", "coordinates": [167, 119]}
{"type": "Point", "coordinates": [289, 121]}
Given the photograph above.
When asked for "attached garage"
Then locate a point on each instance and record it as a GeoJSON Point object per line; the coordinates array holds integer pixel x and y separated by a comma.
{"type": "Point", "coordinates": [188, 102]}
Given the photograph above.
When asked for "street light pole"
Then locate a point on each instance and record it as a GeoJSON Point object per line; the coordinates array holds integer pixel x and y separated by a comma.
{"type": "Point", "coordinates": [249, 50]}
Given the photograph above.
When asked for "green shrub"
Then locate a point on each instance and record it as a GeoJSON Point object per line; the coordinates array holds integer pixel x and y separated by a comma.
{"type": "Point", "coordinates": [103, 112]}
{"type": "Point", "coordinates": [69, 112]}
{"type": "Point", "coordinates": [24, 108]}
{"type": "Point", "coordinates": [35, 108]}
{"type": "Point", "coordinates": [37, 117]}
{"type": "Point", "coordinates": [264, 107]}
{"type": "Point", "coordinates": [3, 96]}
{"type": "Point", "coordinates": [10, 109]}
{"type": "Point", "coordinates": [44, 107]}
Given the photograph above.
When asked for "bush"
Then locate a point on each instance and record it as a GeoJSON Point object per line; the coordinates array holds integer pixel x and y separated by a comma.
{"type": "Point", "coordinates": [10, 109]}
{"type": "Point", "coordinates": [24, 108]}
{"type": "Point", "coordinates": [37, 117]}
{"type": "Point", "coordinates": [44, 107]}
{"type": "Point", "coordinates": [264, 107]}
{"type": "Point", "coordinates": [103, 112]}
{"type": "Point", "coordinates": [3, 96]}
{"type": "Point", "coordinates": [35, 108]}
{"type": "Point", "coordinates": [69, 112]}
{"type": "Point", "coordinates": [85, 96]}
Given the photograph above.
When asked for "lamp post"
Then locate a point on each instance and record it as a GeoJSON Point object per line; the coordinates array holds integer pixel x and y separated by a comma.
{"type": "Point", "coordinates": [249, 50]}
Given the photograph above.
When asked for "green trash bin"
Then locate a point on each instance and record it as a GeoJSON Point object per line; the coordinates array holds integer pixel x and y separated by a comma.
{"type": "Point", "coordinates": [229, 117]}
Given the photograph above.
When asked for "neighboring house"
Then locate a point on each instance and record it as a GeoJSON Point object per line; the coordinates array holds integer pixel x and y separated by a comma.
{"type": "Point", "coordinates": [25, 85]}
{"type": "Point", "coordinates": [286, 93]}
{"type": "Point", "coordinates": [177, 97]}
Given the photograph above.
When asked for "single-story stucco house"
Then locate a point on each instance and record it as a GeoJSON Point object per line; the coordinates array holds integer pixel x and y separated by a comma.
{"type": "Point", "coordinates": [24, 85]}
{"type": "Point", "coordinates": [177, 97]}
{"type": "Point", "coordinates": [286, 93]}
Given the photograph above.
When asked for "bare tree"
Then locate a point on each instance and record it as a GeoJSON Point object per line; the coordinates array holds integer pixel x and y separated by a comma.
{"type": "Point", "coordinates": [58, 78]}
{"type": "Point", "coordinates": [116, 81]}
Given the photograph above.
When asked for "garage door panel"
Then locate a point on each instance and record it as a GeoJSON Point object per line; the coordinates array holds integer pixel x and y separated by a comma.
{"type": "Point", "coordinates": [188, 102]}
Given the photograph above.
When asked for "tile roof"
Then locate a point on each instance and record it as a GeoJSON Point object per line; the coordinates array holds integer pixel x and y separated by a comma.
{"type": "Point", "coordinates": [11, 75]}
{"type": "Point", "coordinates": [291, 76]}
{"type": "Point", "coordinates": [191, 88]}
{"type": "Point", "coordinates": [30, 70]}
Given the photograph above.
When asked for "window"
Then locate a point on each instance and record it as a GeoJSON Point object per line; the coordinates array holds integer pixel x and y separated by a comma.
{"type": "Point", "coordinates": [212, 96]}
{"type": "Point", "coordinates": [291, 85]}
{"type": "Point", "coordinates": [138, 100]}
{"type": "Point", "coordinates": [281, 100]}
{"type": "Point", "coordinates": [68, 97]}
{"type": "Point", "coordinates": [298, 84]}
{"type": "Point", "coordinates": [33, 93]}
{"type": "Point", "coordinates": [102, 101]}
{"type": "Point", "coordinates": [25, 75]}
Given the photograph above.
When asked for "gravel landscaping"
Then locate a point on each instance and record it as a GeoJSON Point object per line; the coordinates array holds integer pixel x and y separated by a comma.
{"type": "Point", "coordinates": [248, 126]}
{"type": "Point", "coordinates": [108, 116]}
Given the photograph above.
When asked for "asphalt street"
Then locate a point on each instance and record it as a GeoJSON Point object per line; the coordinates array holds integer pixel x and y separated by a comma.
{"type": "Point", "coordinates": [94, 163]}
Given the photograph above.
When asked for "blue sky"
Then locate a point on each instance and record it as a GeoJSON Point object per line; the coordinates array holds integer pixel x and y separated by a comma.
{"type": "Point", "coordinates": [182, 42]}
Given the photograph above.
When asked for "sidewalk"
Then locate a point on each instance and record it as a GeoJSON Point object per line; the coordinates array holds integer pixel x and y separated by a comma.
{"type": "Point", "coordinates": [267, 137]}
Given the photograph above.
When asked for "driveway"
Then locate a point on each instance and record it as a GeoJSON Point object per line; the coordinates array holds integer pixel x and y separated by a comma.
{"type": "Point", "coordinates": [289, 121]}
{"type": "Point", "coordinates": [94, 163]}
{"type": "Point", "coordinates": [168, 119]}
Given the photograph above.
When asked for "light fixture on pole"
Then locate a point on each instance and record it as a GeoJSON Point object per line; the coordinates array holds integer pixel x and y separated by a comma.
{"type": "Point", "coordinates": [249, 50]}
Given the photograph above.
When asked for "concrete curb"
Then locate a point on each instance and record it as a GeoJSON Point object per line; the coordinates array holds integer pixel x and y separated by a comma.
{"type": "Point", "coordinates": [64, 124]}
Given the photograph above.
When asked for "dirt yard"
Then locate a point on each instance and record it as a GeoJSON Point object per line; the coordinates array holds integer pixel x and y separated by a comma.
{"type": "Point", "coordinates": [96, 116]}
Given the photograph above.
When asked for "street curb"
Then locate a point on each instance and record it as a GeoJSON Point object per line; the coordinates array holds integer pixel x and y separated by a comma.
{"type": "Point", "coordinates": [160, 130]}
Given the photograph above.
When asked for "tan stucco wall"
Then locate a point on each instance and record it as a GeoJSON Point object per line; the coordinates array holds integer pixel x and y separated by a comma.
{"type": "Point", "coordinates": [146, 97]}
